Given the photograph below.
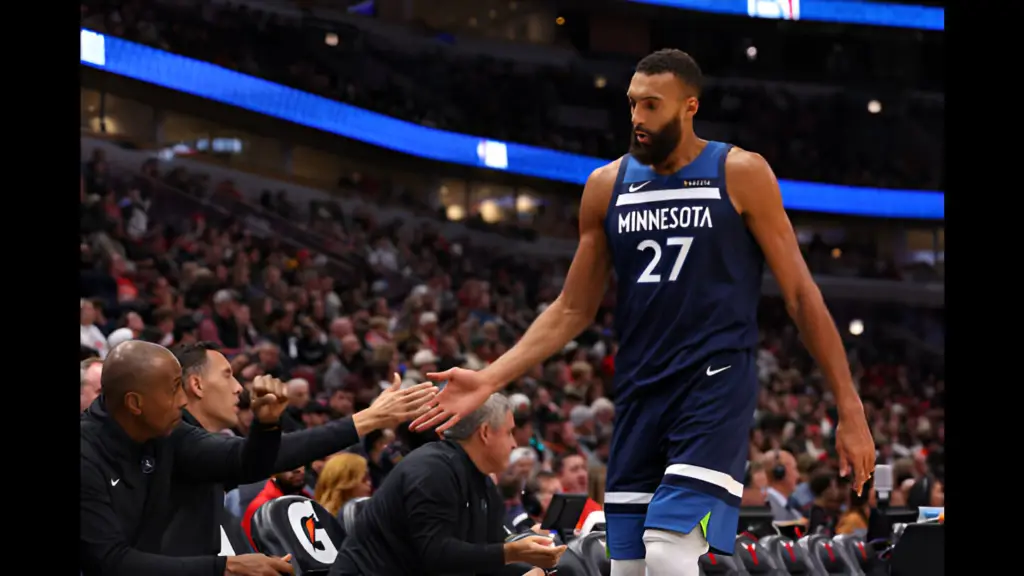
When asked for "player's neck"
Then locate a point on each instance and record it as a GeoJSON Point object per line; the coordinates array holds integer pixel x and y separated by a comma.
{"type": "Point", "coordinates": [690, 146]}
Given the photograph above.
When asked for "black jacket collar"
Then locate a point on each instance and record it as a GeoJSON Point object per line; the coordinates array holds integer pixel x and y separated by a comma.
{"type": "Point", "coordinates": [188, 418]}
{"type": "Point", "coordinates": [454, 446]}
{"type": "Point", "coordinates": [115, 441]}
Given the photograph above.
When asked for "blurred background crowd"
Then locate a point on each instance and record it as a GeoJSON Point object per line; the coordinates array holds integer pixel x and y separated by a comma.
{"type": "Point", "coordinates": [336, 291]}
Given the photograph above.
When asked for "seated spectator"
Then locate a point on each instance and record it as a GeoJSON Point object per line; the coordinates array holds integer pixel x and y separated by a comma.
{"type": "Point", "coordinates": [427, 494]}
{"type": "Point", "coordinates": [539, 491]}
{"type": "Point", "coordinates": [595, 494]}
{"type": "Point", "coordinates": [290, 483]}
{"type": "Point", "coordinates": [755, 486]}
{"type": "Point", "coordinates": [857, 517]}
{"type": "Point", "coordinates": [88, 334]}
{"type": "Point", "coordinates": [821, 513]}
{"type": "Point", "coordinates": [782, 481]}
{"type": "Point", "coordinates": [802, 496]}
{"type": "Point", "coordinates": [517, 520]}
{"type": "Point", "coordinates": [927, 491]}
{"type": "Point", "coordinates": [523, 463]}
{"type": "Point", "coordinates": [89, 384]}
{"type": "Point", "coordinates": [572, 473]}
{"type": "Point", "coordinates": [344, 476]}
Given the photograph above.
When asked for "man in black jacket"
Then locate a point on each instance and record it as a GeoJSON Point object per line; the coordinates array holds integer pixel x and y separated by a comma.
{"type": "Point", "coordinates": [212, 393]}
{"type": "Point", "coordinates": [438, 512]}
{"type": "Point", "coordinates": [132, 452]}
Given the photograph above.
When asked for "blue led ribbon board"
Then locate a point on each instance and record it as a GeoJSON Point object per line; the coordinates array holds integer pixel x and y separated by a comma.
{"type": "Point", "coordinates": [212, 82]}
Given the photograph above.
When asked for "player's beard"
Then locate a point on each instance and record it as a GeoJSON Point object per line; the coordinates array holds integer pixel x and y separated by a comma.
{"type": "Point", "coordinates": [659, 144]}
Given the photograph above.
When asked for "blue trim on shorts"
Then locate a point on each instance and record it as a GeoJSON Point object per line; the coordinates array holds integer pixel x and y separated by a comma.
{"type": "Point", "coordinates": [681, 509]}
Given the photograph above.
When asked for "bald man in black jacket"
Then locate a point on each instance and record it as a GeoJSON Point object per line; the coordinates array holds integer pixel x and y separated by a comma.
{"type": "Point", "coordinates": [133, 448]}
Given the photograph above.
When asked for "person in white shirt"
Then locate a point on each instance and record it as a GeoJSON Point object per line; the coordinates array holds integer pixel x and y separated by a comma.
{"type": "Point", "coordinates": [89, 335]}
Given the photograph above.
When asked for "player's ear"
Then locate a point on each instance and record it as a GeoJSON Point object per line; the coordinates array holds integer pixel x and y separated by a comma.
{"type": "Point", "coordinates": [690, 106]}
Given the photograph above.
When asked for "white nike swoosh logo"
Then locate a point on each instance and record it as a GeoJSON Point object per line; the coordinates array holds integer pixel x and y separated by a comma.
{"type": "Point", "coordinates": [634, 187]}
{"type": "Point", "coordinates": [114, 482]}
{"type": "Point", "coordinates": [713, 372]}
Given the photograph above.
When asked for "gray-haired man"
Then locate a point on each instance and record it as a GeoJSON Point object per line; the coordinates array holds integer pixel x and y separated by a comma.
{"type": "Point", "coordinates": [438, 512]}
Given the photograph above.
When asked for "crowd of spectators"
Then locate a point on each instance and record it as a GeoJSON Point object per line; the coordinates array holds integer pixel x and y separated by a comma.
{"type": "Point", "coordinates": [335, 302]}
{"type": "Point", "coordinates": [817, 135]}
{"type": "Point", "coordinates": [163, 263]}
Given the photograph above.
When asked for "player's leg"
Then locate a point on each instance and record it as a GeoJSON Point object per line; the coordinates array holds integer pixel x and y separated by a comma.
{"type": "Point", "coordinates": [635, 467]}
{"type": "Point", "coordinates": [706, 426]}
{"type": "Point", "coordinates": [674, 553]}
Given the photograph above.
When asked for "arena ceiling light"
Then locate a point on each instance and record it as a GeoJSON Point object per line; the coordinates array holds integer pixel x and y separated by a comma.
{"type": "Point", "coordinates": [856, 327]}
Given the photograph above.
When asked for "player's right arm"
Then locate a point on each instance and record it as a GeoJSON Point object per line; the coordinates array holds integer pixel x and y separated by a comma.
{"type": "Point", "coordinates": [582, 293]}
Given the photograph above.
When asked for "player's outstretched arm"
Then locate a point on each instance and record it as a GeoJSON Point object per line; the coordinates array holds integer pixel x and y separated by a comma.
{"type": "Point", "coordinates": [577, 305]}
{"type": "Point", "coordinates": [755, 190]}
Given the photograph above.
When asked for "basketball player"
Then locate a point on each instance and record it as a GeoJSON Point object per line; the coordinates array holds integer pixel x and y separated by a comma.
{"type": "Point", "coordinates": [686, 224]}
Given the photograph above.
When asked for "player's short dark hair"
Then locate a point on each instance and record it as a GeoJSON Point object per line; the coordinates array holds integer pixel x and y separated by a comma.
{"type": "Point", "coordinates": [192, 357]}
{"type": "Point", "coordinates": [676, 62]}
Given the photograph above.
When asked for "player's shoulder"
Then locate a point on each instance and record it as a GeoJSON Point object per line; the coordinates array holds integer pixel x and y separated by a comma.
{"type": "Point", "coordinates": [747, 171]}
{"type": "Point", "coordinates": [604, 176]}
{"type": "Point", "coordinates": [742, 162]}
{"type": "Point", "coordinates": [750, 179]}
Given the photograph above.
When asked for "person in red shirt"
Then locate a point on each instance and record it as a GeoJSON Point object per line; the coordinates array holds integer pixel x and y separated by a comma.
{"type": "Point", "coordinates": [288, 483]}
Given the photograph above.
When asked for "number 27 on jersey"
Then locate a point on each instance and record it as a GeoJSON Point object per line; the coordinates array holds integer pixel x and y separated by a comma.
{"type": "Point", "coordinates": [650, 274]}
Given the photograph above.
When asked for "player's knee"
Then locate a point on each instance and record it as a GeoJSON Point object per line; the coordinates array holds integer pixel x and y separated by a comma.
{"type": "Point", "coordinates": [674, 553]}
{"type": "Point", "coordinates": [628, 568]}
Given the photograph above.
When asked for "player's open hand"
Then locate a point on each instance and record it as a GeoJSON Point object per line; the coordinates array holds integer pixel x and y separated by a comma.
{"type": "Point", "coordinates": [463, 392]}
{"type": "Point", "coordinates": [855, 447]}
{"type": "Point", "coordinates": [395, 405]}
{"type": "Point", "coordinates": [270, 398]}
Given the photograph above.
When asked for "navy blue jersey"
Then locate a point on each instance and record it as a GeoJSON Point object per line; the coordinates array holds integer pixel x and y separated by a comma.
{"type": "Point", "coordinates": [689, 271]}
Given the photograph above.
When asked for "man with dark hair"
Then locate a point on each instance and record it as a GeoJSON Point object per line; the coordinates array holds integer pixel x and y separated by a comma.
{"type": "Point", "coordinates": [572, 472]}
{"type": "Point", "coordinates": [185, 330]}
{"type": "Point", "coordinates": [542, 488]}
{"type": "Point", "coordinates": [133, 452]}
{"type": "Point", "coordinates": [212, 394]}
{"type": "Point", "coordinates": [687, 226]}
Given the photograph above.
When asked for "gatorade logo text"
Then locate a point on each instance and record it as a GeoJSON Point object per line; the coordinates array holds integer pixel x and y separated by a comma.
{"type": "Point", "coordinates": [310, 532]}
